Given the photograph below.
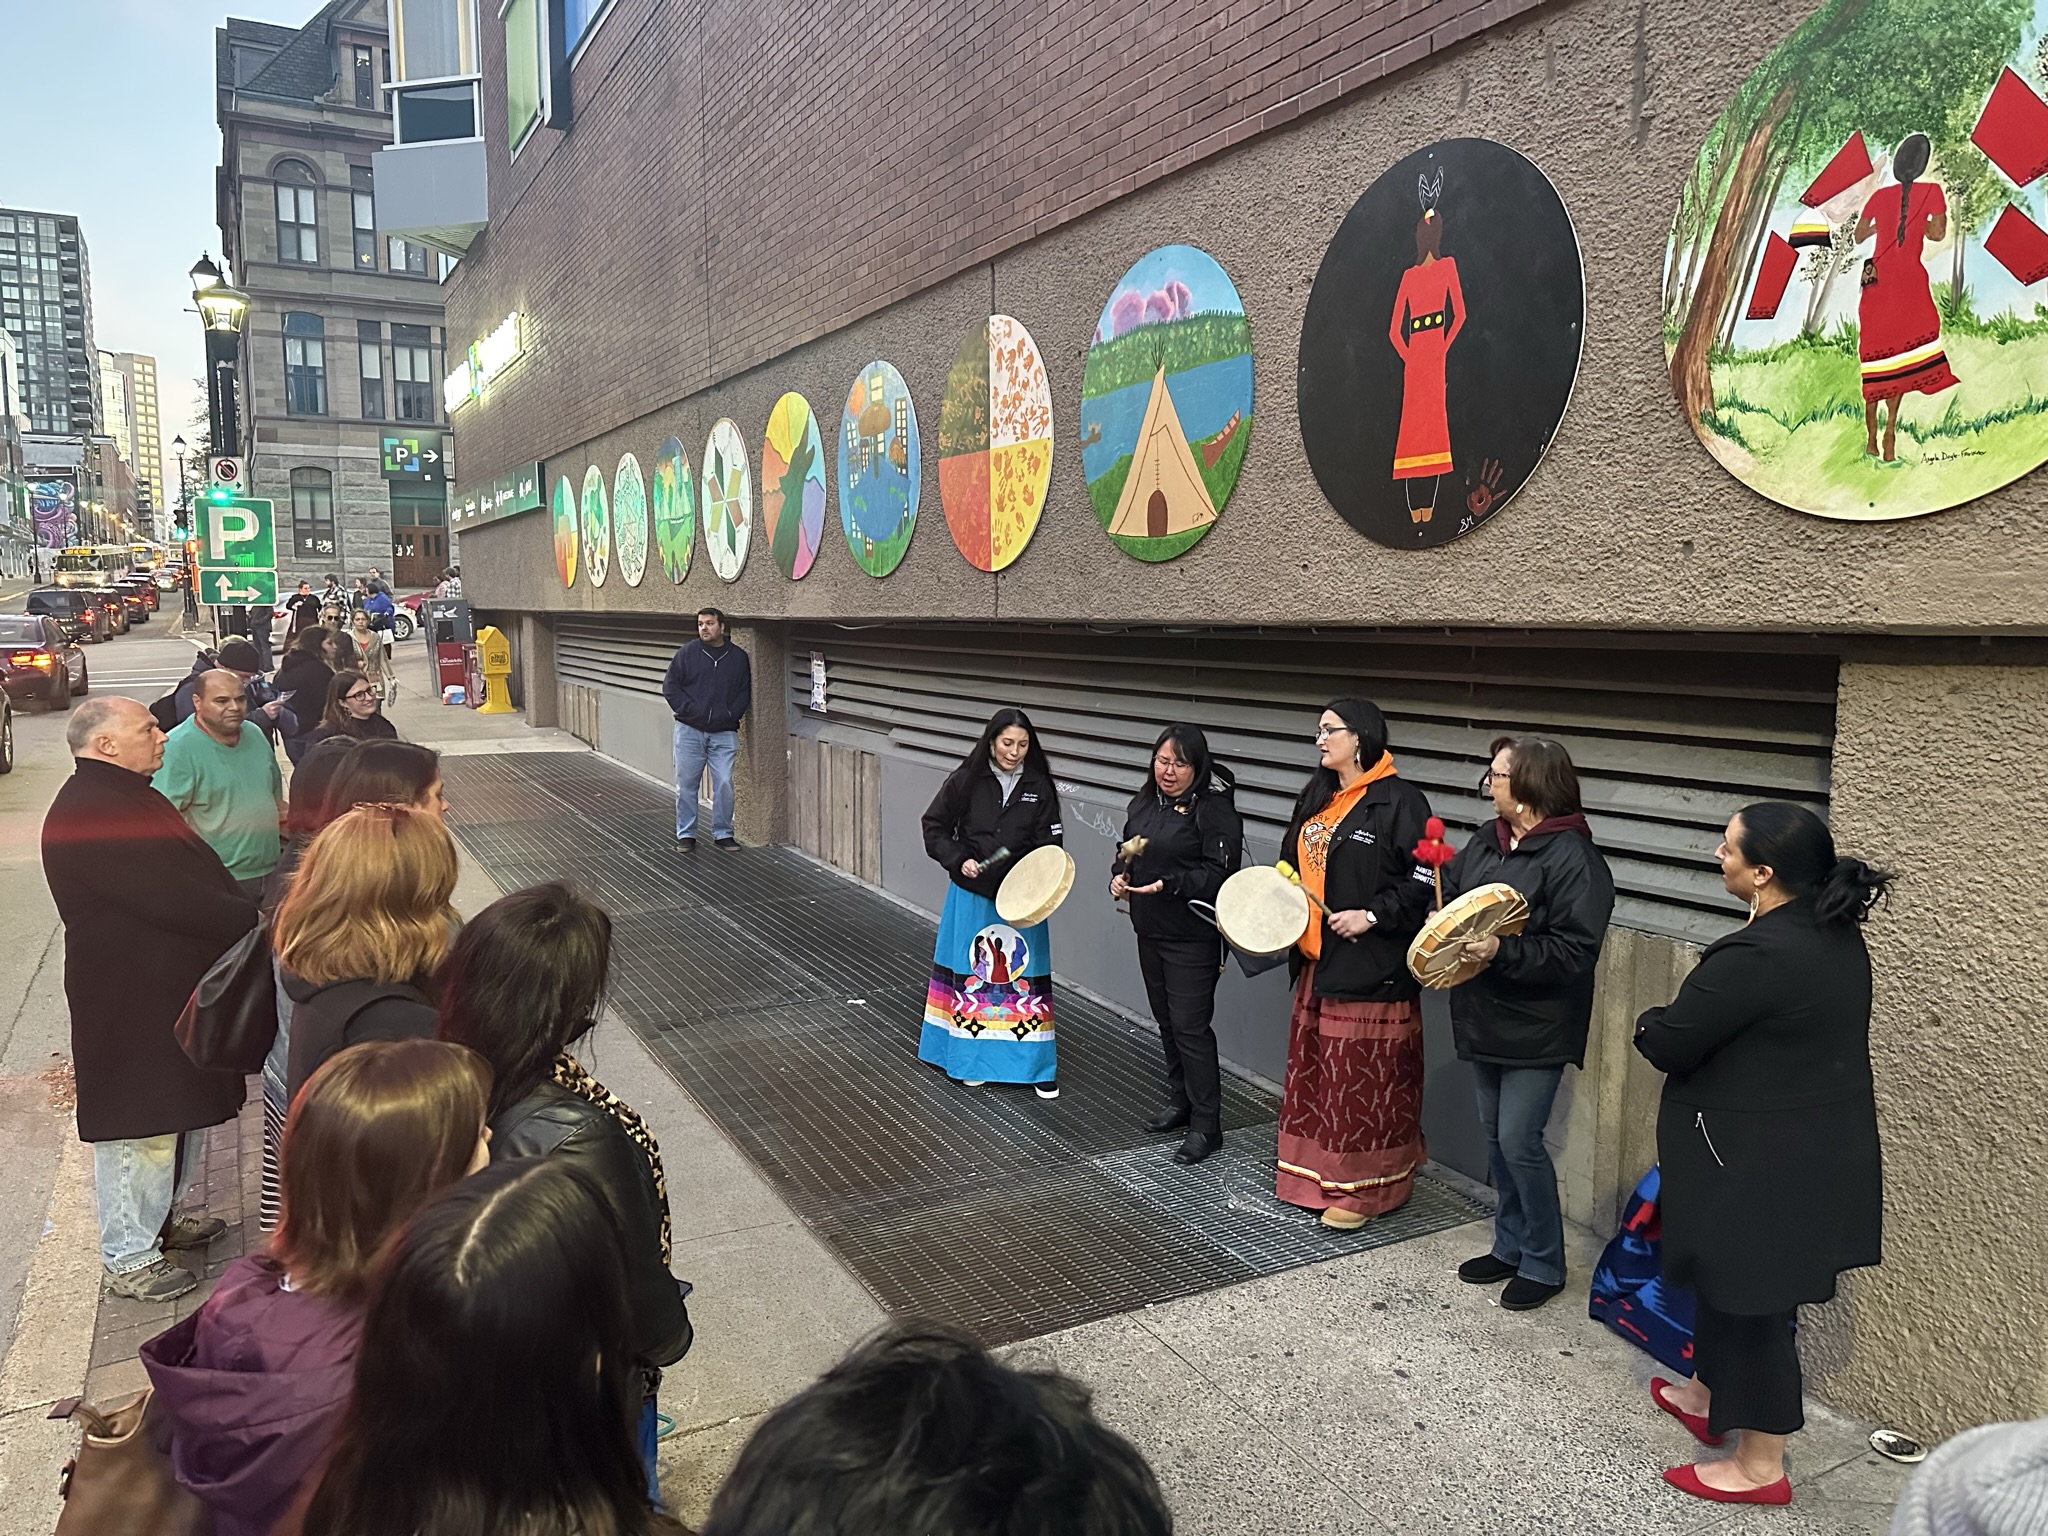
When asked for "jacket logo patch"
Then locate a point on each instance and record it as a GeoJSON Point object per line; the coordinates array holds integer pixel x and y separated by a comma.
{"type": "Point", "coordinates": [1055, 829]}
{"type": "Point", "coordinates": [1425, 874]}
{"type": "Point", "coordinates": [1361, 835]}
{"type": "Point", "coordinates": [1028, 797]}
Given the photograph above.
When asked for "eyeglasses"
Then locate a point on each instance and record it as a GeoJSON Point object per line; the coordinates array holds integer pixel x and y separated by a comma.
{"type": "Point", "coordinates": [1325, 732]}
{"type": "Point", "coordinates": [359, 693]}
{"type": "Point", "coordinates": [1486, 781]}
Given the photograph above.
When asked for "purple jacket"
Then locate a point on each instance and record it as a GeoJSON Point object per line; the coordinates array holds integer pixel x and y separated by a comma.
{"type": "Point", "coordinates": [253, 1383]}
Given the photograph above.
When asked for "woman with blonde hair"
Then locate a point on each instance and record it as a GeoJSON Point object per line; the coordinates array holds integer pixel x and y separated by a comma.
{"type": "Point", "coordinates": [376, 657]}
{"type": "Point", "coordinates": [365, 925]}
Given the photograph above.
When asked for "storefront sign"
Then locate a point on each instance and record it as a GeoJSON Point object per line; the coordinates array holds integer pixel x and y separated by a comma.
{"type": "Point", "coordinates": [505, 496]}
{"type": "Point", "coordinates": [470, 378]}
{"type": "Point", "coordinates": [416, 457]}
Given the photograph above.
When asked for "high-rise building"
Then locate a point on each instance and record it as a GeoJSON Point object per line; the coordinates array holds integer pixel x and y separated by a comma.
{"type": "Point", "coordinates": [143, 448]}
{"type": "Point", "coordinates": [46, 306]}
{"type": "Point", "coordinates": [115, 419]}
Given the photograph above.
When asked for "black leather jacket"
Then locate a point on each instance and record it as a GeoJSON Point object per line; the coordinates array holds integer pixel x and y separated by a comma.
{"type": "Point", "coordinates": [1193, 845]}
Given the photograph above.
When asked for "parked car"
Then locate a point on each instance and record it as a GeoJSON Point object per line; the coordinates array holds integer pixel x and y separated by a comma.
{"type": "Point", "coordinates": [139, 597]}
{"type": "Point", "coordinates": [408, 619]}
{"type": "Point", "coordinates": [117, 610]}
{"type": "Point", "coordinates": [37, 663]}
{"type": "Point", "coordinates": [147, 581]}
{"type": "Point", "coordinates": [77, 611]}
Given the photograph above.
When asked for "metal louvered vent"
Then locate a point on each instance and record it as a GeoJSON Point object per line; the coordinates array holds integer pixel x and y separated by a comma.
{"type": "Point", "coordinates": [631, 654]}
{"type": "Point", "coordinates": [1670, 737]}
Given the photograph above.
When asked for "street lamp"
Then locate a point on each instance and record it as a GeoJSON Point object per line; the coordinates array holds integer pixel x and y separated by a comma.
{"type": "Point", "coordinates": [223, 310]}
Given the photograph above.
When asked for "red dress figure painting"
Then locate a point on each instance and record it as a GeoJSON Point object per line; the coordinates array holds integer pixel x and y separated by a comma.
{"type": "Point", "coordinates": [1429, 311]}
{"type": "Point", "coordinates": [1900, 344]}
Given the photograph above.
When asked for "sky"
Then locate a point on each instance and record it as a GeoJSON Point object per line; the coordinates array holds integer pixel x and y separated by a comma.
{"type": "Point", "coordinates": [116, 126]}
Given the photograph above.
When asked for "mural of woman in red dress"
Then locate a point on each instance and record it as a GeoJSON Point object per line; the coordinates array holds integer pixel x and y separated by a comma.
{"type": "Point", "coordinates": [1429, 311]}
{"type": "Point", "coordinates": [1900, 346]}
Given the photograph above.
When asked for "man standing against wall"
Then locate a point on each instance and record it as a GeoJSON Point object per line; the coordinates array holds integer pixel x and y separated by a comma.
{"type": "Point", "coordinates": [221, 774]}
{"type": "Point", "coordinates": [709, 685]}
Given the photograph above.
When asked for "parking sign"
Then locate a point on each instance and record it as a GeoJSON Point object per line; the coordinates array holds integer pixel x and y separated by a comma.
{"type": "Point", "coordinates": [237, 551]}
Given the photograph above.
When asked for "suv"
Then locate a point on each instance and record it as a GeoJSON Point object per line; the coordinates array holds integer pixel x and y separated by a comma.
{"type": "Point", "coordinates": [117, 609]}
{"type": "Point", "coordinates": [138, 597]}
{"type": "Point", "coordinates": [37, 662]}
{"type": "Point", "coordinates": [146, 582]}
{"type": "Point", "coordinates": [78, 612]}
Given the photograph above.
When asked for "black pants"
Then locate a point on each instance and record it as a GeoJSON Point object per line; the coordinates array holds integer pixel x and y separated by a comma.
{"type": "Point", "coordinates": [1751, 1365]}
{"type": "Point", "coordinates": [1180, 978]}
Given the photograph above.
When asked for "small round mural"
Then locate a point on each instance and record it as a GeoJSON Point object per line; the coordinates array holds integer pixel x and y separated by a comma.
{"type": "Point", "coordinates": [675, 508]}
{"type": "Point", "coordinates": [597, 526]}
{"type": "Point", "coordinates": [878, 469]}
{"type": "Point", "coordinates": [629, 519]}
{"type": "Point", "coordinates": [564, 512]}
{"type": "Point", "coordinates": [793, 486]}
{"type": "Point", "coordinates": [995, 443]}
{"type": "Point", "coordinates": [728, 500]}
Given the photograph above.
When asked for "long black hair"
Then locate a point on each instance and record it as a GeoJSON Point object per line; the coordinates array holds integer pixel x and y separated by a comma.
{"type": "Point", "coordinates": [1210, 776]}
{"type": "Point", "coordinates": [1361, 716]}
{"type": "Point", "coordinates": [978, 755]}
{"type": "Point", "coordinates": [1800, 851]}
{"type": "Point", "coordinates": [1909, 160]}
{"type": "Point", "coordinates": [495, 1387]}
{"type": "Point", "coordinates": [381, 772]}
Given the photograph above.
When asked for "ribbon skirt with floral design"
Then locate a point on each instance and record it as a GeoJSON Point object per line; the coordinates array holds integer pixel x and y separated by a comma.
{"type": "Point", "coordinates": [988, 1008]}
{"type": "Point", "coordinates": [1351, 1117]}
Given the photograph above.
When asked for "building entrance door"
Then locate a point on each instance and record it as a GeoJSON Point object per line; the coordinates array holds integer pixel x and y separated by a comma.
{"type": "Point", "coordinates": [418, 556]}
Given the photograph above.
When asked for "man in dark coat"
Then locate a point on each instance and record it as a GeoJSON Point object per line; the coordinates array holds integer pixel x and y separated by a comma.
{"type": "Point", "coordinates": [147, 908]}
{"type": "Point", "coordinates": [710, 683]}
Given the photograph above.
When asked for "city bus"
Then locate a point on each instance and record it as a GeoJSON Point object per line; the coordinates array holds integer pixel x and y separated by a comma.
{"type": "Point", "coordinates": [145, 557]}
{"type": "Point", "coordinates": [91, 565]}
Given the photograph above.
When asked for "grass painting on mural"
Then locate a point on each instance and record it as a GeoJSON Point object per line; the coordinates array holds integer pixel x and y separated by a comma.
{"type": "Point", "coordinates": [564, 513]}
{"type": "Point", "coordinates": [728, 500]}
{"type": "Point", "coordinates": [597, 526]}
{"type": "Point", "coordinates": [1166, 402]}
{"type": "Point", "coordinates": [629, 519]}
{"type": "Point", "coordinates": [675, 508]}
{"type": "Point", "coordinates": [878, 469]}
{"type": "Point", "coordinates": [793, 486]}
{"type": "Point", "coordinates": [995, 443]}
{"type": "Point", "coordinates": [1854, 301]}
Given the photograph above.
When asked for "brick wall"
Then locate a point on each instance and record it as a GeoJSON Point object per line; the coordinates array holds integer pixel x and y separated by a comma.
{"type": "Point", "coordinates": [746, 175]}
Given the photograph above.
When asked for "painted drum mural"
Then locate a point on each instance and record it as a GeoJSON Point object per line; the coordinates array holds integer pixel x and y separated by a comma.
{"type": "Point", "coordinates": [793, 486]}
{"type": "Point", "coordinates": [1856, 284]}
{"type": "Point", "coordinates": [597, 526]}
{"type": "Point", "coordinates": [995, 443]}
{"type": "Point", "coordinates": [1166, 402]}
{"type": "Point", "coordinates": [878, 469]}
{"type": "Point", "coordinates": [629, 519]}
{"type": "Point", "coordinates": [563, 510]}
{"type": "Point", "coordinates": [675, 508]}
{"type": "Point", "coordinates": [728, 500]}
{"type": "Point", "coordinates": [1440, 343]}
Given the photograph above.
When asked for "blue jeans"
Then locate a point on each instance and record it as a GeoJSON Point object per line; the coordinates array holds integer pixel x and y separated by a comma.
{"type": "Point", "coordinates": [648, 1435]}
{"type": "Point", "coordinates": [694, 748]}
{"type": "Point", "coordinates": [137, 1183]}
{"type": "Point", "coordinates": [1528, 1226]}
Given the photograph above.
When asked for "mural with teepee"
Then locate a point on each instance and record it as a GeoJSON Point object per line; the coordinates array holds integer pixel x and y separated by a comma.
{"type": "Point", "coordinates": [1166, 402]}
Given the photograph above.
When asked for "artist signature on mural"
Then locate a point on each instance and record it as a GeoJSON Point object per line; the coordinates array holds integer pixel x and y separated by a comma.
{"type": "Point", "coordinates": [1953, 453]}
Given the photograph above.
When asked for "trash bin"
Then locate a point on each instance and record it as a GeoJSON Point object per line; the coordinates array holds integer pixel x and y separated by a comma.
{"type": "Point", "coordinates": [451, 631]}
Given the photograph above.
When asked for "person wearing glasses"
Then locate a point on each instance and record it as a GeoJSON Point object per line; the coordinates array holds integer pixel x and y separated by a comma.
{"type": "Point", "coordinates": [1525, 1016]}
{"type": "Point", "coordinates": [1351, 1112]}
{"type": "Point", "coordinates": [353, 710]}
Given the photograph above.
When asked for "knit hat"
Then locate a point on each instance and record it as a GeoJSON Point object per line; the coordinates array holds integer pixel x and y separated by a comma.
{"type": "Point", "coordinates": [239, 655]}
{"type": "Point", "coordinates": [1989, 1481]}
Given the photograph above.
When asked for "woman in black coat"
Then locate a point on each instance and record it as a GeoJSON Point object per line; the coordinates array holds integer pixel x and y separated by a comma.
{"type": "Point", "coordinates": [305, 675]}
{"type": "Point", "coordinates": [1523, 1018]}
{"type": "Point", "coordinates": [1767, 1137]}
{"type": "Point", "coordinates": [1194, 838]}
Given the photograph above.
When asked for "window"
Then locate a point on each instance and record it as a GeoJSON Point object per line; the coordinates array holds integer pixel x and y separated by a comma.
{"type": "Point", "coordinates": [437, 112]}
{"type": "Point", "coordinates": [370, 349]}
{"type": "Point", "coordinates": [524, 51]}
{"type": "Point", "coordinates": [305, 364]}
{"type": "Point", "coordinates": [412, 371]}
{"type": "Point", "coordinates": [434, 39]}
{"type": "Point", "coordinates": [407, 257]}
{"type": "Point", "coordinates": [298, 230]}
{"type": "Point", "coordinates": [366, 75]}
{"type": "Point", "coordinates": [418, 506]}
{"type": "Point", "coordinates": [312, 513]}
{"type": "Point", "coordinates": [579, 17]}
{"type": "Point", "coordinates": [363, 201]}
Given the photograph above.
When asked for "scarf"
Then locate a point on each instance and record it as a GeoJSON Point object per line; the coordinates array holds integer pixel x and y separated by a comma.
{"type": "Point", "coordinates": [569, 1074]}
{"type": "Point", "coordinates": [1316, 833]}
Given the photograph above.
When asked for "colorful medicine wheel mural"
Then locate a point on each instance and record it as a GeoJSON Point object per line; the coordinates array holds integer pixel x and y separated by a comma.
{"type": "Point", "coordinates": [793, 486]}
{"type": "Point", "coordinates": [1440, 343]}
{"type": "Point", "coordinates": [1166, 402]}
{"type": "Point", "coordinates": [629, 519]}
{"type": "Point", "coordinates": [878, 469]}
{"type": "Point", "coordinates": [563, 510]}
{"type": "Point", "coordinates": [1856, 284]}
{"type": "Point", "coordinates": [995, 443]}
{"type": "Point", "coordinates": [728, 500]}
{"type": "Point", "coordinates": [597, 526]}
{"type": "Point", "coordinates": [675, 508]}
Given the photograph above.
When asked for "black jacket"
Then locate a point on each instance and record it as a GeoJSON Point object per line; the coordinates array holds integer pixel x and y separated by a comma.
{"type": "Point", "coordinates": [967, 819]}
{"type": "Point", "coordinates": [305, 678]}
{"type": "Point", "coordinates": [147, 908]}
{"type": "Point", "coordinates": [553, 1122]}
{"type": "Point", "coordinates": [709, 689]}
{"type": "Point", "coordinates": [344, 1013]}
{"type": "Point", "coordinates": [1772, 1179]}
{"type": "Point", "coordinates": [371, 728]}
{"type": "Point", "coordinates": [1532, 1004]}
{"type": "Point", "coordinates": [1371, 866]}
{"type": "Point", "coordinates": [1194, 844]}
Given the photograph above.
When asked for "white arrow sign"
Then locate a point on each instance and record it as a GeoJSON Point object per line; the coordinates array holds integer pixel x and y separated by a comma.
{"type": "Point", "coordinates": [229, 592]}
{"type": "Point", "coordinates": [431, 457]}
{"type": "Point", "coordinates": [231, 525]}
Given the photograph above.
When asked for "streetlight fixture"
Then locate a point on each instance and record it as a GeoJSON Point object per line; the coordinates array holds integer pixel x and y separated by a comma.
{"type": "Point", "coordinates": [223, 309]}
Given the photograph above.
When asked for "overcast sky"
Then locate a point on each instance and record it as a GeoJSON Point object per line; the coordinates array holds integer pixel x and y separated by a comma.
{"type": "Point", "coordinates": [107, 113]}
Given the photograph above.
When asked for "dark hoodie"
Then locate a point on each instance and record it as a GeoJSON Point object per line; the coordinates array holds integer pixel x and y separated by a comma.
{"type": "Point", "coordinates": [1192, 845]}
{"type": "Point", "coordinates": [253, 1385]}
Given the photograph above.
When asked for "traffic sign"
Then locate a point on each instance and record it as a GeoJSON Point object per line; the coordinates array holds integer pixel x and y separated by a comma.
{"type": "Point", "coordinates": [230, 588]}
{"type": "Point", "coordinates": [230, 472]}
{"type": "Point", "coordinates": [237, 551]}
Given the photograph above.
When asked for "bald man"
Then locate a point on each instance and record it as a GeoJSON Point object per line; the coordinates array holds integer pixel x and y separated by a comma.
{"type": "Point", "coordinates": [221, 772]}
{"type": "Point", "coordinates": [147, 908]}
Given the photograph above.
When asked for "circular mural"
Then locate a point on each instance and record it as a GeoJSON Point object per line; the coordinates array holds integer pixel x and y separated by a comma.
{"type": "Point", "coordinates": [564, 512]}
{"type": "Point", "coordinates": [995, 443]}
{"type": "Point", "coordinates": [1855, 287]}
{"type": "Point", "coordinates": [878, 469]}
{"type": "Point", "coordinates": [728, 500]}
{"type": "Point", "coordinates": [629, 519]}
{"type": "Point", "coordinates": [1440, 343]}
{"type": "Point", "coordinates": [675, 508]}
{"type": "Point", "coordinates": [1166, 402]}
{"type": "Point", "coordinates": [793, 486]}
{"type": "Point", "coordinates": [597, 526]}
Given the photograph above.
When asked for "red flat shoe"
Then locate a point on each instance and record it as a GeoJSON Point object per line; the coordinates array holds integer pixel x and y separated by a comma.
{"type": "Point", "coordinates": [1691, 1421]}
{"type": "Point", "coordinates": [1687, 1480]}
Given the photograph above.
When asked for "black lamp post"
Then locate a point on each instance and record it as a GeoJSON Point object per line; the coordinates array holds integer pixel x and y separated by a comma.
{"type": "Point", "coordinates": [223, 309]}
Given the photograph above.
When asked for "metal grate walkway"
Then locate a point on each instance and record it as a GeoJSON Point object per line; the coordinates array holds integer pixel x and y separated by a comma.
{"type": "Point", "coordinates": [786, 999]}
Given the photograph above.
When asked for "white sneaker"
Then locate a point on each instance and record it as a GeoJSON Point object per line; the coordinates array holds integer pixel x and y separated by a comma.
{"type": "Point", "coordinates": [978, 1082]}
{"type": "Point", "coordinates": [1046, 1090]}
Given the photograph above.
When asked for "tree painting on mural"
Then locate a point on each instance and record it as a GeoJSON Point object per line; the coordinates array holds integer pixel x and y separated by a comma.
{"type": "Point", "coordinates": [793, 486]}
{"type": "Point", "coordinates": [879, 469]}
{"type": "Point", "coordinates": [629, 519]}
{"type": "Point", "coordinates": [564, 513]}
{"type": "Point", "coordinates": [995, 443]}
{"type": "Point", "coordinates": [1440, 343]}
{"type": "Point", "coordinates": [1855, 289]}
{"type": "Point", "coordinates": [675, 508]}
{"type": "Point", "coordinates": [1166, 402]}
{"type": "Point", "coordinates": [597, 526]}
{"type": "Point", "coordinates": [728, 500]}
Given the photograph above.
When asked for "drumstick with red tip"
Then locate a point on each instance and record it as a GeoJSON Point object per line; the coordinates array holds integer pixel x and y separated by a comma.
{"type": "Point", "coordinates": [1436, 853]}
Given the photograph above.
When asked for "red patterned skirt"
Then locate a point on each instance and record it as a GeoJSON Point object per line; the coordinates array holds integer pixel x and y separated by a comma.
{"type": "Point", "coordinates": [1351, 1117]}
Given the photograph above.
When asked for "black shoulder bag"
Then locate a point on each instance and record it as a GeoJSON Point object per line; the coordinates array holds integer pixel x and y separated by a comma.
{"type": "Point", "coordinates": [230, 1021]}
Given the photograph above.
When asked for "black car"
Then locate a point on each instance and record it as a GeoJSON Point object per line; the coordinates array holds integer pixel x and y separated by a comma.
{"type": "Point", "coordinates": [145, 583]}
{"type": "Point", "coordinates": [116, 606]}
{"type": "Point", "coordinates": [77, 611]}
{"type": "Point", "coordinates": [37, 662]}
{"type": "Point", "coordinates": [138, 597]}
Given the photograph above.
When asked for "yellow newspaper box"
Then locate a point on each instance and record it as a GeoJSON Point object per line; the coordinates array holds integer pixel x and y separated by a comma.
{"type": "Point", "coordinates": [494, 660]}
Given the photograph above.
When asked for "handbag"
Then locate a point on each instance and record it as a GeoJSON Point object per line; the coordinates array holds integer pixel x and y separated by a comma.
{"type": "Point", "coordinates": [120, 1483]}
{"type": "Point", "coordinates": [230, 1021]}
{"type": "Point", "coordinates": [1629, 1293]}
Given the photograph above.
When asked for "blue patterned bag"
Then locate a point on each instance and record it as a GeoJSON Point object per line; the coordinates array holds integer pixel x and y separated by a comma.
{"type": "Point", "coordinates": [1629, 1294]}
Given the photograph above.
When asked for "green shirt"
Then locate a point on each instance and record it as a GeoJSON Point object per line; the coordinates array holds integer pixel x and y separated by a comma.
{"type": "Point", "coordinates": [228, 795]}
